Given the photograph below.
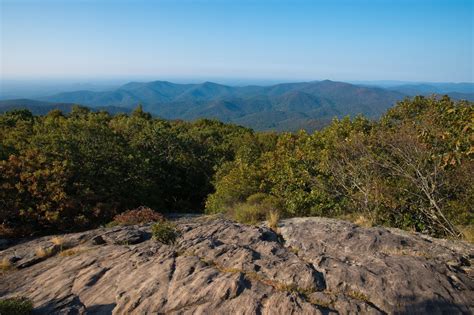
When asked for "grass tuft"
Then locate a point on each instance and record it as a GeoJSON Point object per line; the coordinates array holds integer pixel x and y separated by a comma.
{"type": "Point", "coordinates": [318, 302]}
{"type": "Point", "coordinates": [358, 295]}
{"type": "Point", "coordinates": [57, 240]}
{"type": "Point", "coordinates": [467, 233]}
{"type": "Point", "coordinates": [364, 221]}
{"type": "Point", "coordinates": [272, 219]}
{"type": "Point", "coordinates": [5, 265]}
{"type": "Point", "coordinates": [43, 252]}
{"type": "Point", "coordinates": [72, 252]}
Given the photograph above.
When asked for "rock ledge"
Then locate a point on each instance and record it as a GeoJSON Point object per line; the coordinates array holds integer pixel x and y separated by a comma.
{"type": "Point", "coordinates": [316, 266]}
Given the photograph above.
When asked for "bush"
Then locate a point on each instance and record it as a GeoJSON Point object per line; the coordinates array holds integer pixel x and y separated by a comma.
{"type": "Point", "coordinates": [411, 169]}
{"type": "Point", "coordinates": [16, 306]}
{"type": "Point", "coordinates": [164, 232]}
{"type": "Point", "coordinates": [138, 216]}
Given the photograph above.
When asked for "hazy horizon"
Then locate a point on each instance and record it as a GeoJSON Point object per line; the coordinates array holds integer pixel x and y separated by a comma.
{"type": "Point", "coordinates": [223, 41]}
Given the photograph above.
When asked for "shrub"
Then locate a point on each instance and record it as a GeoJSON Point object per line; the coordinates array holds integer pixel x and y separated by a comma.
{"type": "Point", "coordinates": [138, 216]}
{"type": "Point", "coordinates": [164, 232]}
{"type": "Point", "coordinates": [16, 306]}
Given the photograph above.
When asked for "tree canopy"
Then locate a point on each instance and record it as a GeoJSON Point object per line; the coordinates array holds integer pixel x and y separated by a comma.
{"type": "Point", "coordinates": [411, 169]}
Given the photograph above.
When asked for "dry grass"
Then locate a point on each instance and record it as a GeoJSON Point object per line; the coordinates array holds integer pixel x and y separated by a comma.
{"type": "Point", "coordinates": [57, 240]}
{"type": "Point", "coordinates": [359, 219]}
{"type": "Point", "coordinates": [325, 304]}
{"type": "Point", "coordinates": [404, 252]}
{"type": "Point", "coordinates": [43, 252]}
{"type": "Point", "coordinates": [40, 252]}
{"type": "Point", "coordinates": [294, 250]}
{"type": "Point", "coordinates": [467, 233]}
{"type": "Point", "coordinates": [231, 270]}
{"type": "Point", "coordinates": [61, 242]}
{"type": "Point", "coordinates": [72, 252]}
{"type": "Point", "coordinates": [358, 296]}
{"type": "Point", "coordinates": [273, 219]}
{"type": "Point", "coordinates": [364, 221]}
{"type": "Point", "coordinates": [6, 264]}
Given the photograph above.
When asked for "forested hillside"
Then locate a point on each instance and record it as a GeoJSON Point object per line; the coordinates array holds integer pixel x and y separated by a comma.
{"type": "Point", "coordinates": [411, 169]}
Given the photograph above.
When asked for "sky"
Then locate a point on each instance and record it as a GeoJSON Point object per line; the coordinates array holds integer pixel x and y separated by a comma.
{"type": "Point", "coordinates": [408, 40]}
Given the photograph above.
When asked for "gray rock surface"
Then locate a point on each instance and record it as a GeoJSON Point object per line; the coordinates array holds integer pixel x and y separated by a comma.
{"type": "Point", "coordinates": [316, 266]}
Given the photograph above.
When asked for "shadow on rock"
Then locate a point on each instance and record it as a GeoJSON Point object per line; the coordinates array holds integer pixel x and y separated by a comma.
{"type": "Point", "coordinates": [70, 304]}
{"type": "Point", "coordinates": [101, 309]}
{"type": "Point", "coordinates": [432, 306]}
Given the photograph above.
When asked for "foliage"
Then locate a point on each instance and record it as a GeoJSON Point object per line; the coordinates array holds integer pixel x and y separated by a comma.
{"type": "Point", "coordinates": [412, 169]}
{"type": "Point", "coordinates": [138, 216]}
{"type": "Point", "coordinates": [164, 232]}
{"type": "Point", "coordinates": [61, 173]}
{"type": "Point", "coordinates": [16, 306]}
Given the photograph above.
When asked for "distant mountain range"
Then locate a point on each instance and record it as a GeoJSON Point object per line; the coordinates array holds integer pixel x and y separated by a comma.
{"type": "Point", "coordinates": [435, 88]}
{"type": "Point", "coordinates": [287, 106]}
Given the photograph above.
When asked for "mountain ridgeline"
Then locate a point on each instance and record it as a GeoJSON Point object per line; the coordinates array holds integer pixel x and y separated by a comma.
{"type": "Point", "coordinates": [280, 107]}
{"type": "Point", "coordinates": [289, 106]}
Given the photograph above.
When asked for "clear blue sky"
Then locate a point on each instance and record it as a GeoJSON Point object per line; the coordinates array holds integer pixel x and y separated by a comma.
{"type": "Point", "coordinates": [295, 40]}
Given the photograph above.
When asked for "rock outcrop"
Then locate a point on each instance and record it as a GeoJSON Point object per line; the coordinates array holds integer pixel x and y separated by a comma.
{"type": "Point", "coordinates": [313, 266]}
